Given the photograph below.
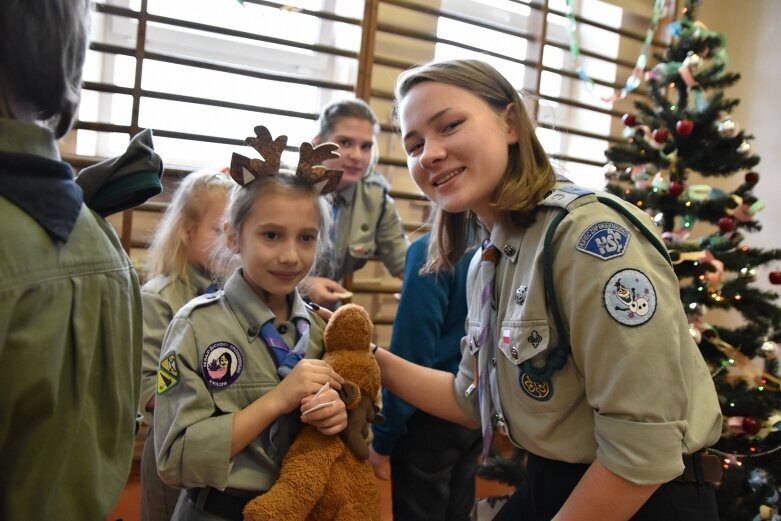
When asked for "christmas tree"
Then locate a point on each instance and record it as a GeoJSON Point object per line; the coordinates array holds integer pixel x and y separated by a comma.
{"type": "Point", "coordinates": [677, 143]}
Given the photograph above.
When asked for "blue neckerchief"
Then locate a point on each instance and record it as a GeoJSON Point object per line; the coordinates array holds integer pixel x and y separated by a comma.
{"type": "Point", "coordinates": [285, 357]}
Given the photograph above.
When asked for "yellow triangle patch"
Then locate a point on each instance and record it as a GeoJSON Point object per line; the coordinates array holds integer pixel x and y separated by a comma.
{"type": "Point", "coordinates": [165, 380]}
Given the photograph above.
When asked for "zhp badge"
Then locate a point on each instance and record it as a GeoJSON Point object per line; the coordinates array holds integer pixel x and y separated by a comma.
{"type": "Point", "coordinates": [540, 391]}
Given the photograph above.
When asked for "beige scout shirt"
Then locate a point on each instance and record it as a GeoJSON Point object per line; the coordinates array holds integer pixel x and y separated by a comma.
{"type": "Point", "coordinates": [367, 224]}
{"type": "Point", "coordinates": [70, 346]}
{"type": "Point", "coordinates": [635, 392]}
{"type": "Point", "coordinates": [193, 419]}
{"type": "Point", "coordinates": [161, 298]}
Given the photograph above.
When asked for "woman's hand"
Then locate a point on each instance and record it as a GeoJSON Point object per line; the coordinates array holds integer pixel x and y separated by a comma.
{"type": "Point", "coordinates": [305, 380]}
{"type": "Point", "coordinates": [325, 411]}
{"type": "Point", "coordinates": [380, 463]}
{"type": "Point", "coordinates": [323, 291]}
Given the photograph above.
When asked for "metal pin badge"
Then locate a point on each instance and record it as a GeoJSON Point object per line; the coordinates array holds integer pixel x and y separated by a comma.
{"type": "Point", "coordinates": [520, 295]}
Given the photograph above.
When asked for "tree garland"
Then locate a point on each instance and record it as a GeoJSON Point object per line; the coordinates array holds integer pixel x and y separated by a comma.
{"type": "Point", "coordinates": [633, 81]}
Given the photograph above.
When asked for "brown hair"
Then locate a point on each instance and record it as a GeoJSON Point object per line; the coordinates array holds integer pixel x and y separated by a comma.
{"type": "Point", "coordinates": [529, 174]}
{"type": "Point", "coordinates": [43, 44]}
{"type": "Point", "coordinates": [240, 205]}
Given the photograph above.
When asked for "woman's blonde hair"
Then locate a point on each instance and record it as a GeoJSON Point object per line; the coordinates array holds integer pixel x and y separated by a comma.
{"type": "Point", "coordinates": [167, 253]}
{"type": "Point", "coordinates": [529, 174]}
{"type": "Point", "coordinates": [242, 199]}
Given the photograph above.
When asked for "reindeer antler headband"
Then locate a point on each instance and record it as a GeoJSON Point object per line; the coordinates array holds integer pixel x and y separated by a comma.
{"type": "Point", "coordinates": [244, 170]}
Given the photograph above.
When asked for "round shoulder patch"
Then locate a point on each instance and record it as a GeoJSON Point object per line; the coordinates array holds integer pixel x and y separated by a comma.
{"type": "Point", "coordinates": [630, 297]}
{"type": "Point", "coordinates": [222, 364]}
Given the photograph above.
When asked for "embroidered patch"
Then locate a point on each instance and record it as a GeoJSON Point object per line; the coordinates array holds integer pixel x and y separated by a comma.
{"type": "Point", "coordinates": [520, 295]}
{"type": "Point", "coordinates": [222, 364]}
{"type": "Point", "coordinates": [167, 374]}
{"type": "Point", "coordinates": [604, 240]}
{"type": "Point", "coordinates": [630, 297]}
{"type": "Point", "coordinates": [540, 391]}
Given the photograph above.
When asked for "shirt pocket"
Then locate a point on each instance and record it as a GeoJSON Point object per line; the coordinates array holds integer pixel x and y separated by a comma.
{"type": "Point", "coordinates": [361, 249]}
{"type": "Point", "coordinates": [236, 396]}
{"type": "Point", "coordinates": [523, 339]}
{"type": "Point", "coordinates": [531, 340]}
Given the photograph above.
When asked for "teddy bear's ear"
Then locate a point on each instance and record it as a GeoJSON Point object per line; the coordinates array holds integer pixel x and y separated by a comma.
{"type": "Point", "coordinates": [350, 394]}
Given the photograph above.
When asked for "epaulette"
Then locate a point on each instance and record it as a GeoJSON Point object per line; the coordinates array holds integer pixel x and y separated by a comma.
{"type": "Point", "coordinates": [201, 301]}
{"type": "Point", "coordinates": [375, 178]}
{"type": "Point", "coordinates": [564, 195]}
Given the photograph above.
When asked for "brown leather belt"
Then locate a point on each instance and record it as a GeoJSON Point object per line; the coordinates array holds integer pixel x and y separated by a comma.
{"type": "Point", "coordinates": [701, 467]}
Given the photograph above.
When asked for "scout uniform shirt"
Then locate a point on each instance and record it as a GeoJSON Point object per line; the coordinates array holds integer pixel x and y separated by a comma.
{"type": "Point", "coordinates": [635, 392]}
{"type": "Point", "coordinates": [70, 340]}
{"type": "Point", "coordinates": [367, 223]}
{"type": "Point", "coordinates": [161, 298]}
{"type": "Point", "coordinates": [197, 396]}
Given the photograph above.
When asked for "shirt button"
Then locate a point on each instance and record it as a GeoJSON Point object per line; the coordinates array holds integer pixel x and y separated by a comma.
{"type": "Point", "coordinates": [509, 250]}
{"type": "Point", "coordinates": [282, 329]}
{"type": "Point", "coordinates": [252, 331]}
{"type": "Point", "coordinates": [514, 353]}
{"type": "Point", "coordinates": [493, 361]}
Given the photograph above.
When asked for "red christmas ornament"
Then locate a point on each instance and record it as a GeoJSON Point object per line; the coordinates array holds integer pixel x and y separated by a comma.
{"type": "Point", "coordinates": [751, 178]}
{"type": "Point", "coordinates": [775, 277]}
{"type": "Point", "coordinates": [726, 224]}
{"type": "Point", "coordinates": [684, 127]}
{"type": "Point", "coordinates": [751, 425]}
{"type": "Point", "coordinates": [676, 188]}
{"type": "Point", "coordinates": [629, 120]}
{"type": "Point", "coordinates": [660, 135]}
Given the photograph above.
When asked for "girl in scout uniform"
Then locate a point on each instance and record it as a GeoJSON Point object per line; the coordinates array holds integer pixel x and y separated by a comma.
{"type": "Point", "coordinates": [366, 222]}
{"type": "Point", "coordinates": [576, 345]}
{"type": "Point", "coordinates": [237, 365]}
{"type": "Point", "coordinates": [176, 272]}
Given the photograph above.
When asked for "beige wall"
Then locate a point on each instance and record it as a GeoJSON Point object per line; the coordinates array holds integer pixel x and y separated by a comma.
{"type": "Point", "coordinates": [753, 32]}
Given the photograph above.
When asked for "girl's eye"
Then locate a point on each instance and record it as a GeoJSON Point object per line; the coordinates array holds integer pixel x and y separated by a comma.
{"type": "Point", "coordinates": [452, 125]}
{"type": "Point", "coordinates": [367, 147]}
{"type": "Point", "coordinates": [344, 143]}
{"type": "Point", "coordinates": [270, 235]}
{"type": "Point", "coordinates": [414, 148]}
{"type": "Point", "coordinates": [308, 237]}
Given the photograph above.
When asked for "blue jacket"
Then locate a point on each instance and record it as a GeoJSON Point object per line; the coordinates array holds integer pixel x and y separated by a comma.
{"type": "Point", "coordinates": [428, 329]}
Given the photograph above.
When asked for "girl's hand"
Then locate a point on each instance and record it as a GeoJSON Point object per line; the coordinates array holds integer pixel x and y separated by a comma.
{"type": "Point", "coordinates": [323, 291]}
{"type": "Point", "coordinates": [326, 412]}
{"type": "Point", "coordinates": [306, 378]}
{"type": "Point", "coordinates": [380, 463]}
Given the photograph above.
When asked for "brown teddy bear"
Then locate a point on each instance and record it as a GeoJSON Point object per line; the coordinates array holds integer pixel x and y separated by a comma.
{"type": "Point", "coordinates": [323, 477]}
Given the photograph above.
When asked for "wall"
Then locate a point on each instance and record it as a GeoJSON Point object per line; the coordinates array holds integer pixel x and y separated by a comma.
{"type": "Point", "coordinates": [753, 32]}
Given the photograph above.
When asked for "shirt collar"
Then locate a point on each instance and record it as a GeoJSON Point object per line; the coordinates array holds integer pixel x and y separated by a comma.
{"type": "Point", "coordinates": [251, 311]}
{"type": "Point", "coordinates": [33, 178]}
{"type": "Point", "coordinates": [27, 138]}
{"type": "Point", "coordinates": [346, 195]}
{"type": "Point", "coordinates": [198, 279]}
{"type": "Point", "coordinates": [507, 240]}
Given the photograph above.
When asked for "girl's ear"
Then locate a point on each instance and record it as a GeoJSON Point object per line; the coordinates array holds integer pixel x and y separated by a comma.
{"type": "Point", "coordinates": [188, 230]}
{"type": "Point", "coordinates": [510, 119]}
{"type": "Point", "coordinates": [231, 240]}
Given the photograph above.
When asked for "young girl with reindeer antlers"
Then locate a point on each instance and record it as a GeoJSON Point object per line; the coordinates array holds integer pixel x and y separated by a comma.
{"type": "Point", "coordinates": [237, 366]}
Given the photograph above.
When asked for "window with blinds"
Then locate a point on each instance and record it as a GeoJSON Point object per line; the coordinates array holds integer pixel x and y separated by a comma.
{"type": "Point", "coordinates": [203, 73]}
